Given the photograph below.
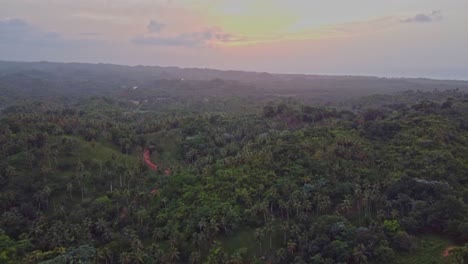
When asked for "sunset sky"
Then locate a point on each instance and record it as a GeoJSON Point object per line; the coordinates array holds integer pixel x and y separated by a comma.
{"type": "Point", "coordinates": [423, 38]}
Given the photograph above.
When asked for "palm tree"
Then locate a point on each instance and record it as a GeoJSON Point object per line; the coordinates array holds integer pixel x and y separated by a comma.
{"type": "Point", "coordinates": [158, 234]}
{"type": "Point", "coordinates": [236, 258]}
{"type": "Point", "coordinates": [202, 224]}
{"type": "Point", "coordinates": [367, 196]}
{"type": "Point", "coordinates": [141, 216]}
{"type": "Point", "coordinates": [291, 246]}
{"type": "Point", "coordinates": [102, 254]}
{"type": "Point", "coordinates": [125, 258]}
{"type": "Point", "coordinates": [70, 190]}
{"type": "Point", "coordinates": [345, 205]}
{"type": "Point", "coordinates": [164, 200]}
{"type": "Point", "coordinates": [284, 206]}
{"type": "Point", "coordinates": [271, 196]}
{"type": "Point", "coordinates": [358, 197]}
{"type": "Point", "coordinates": [296, 204]}
{"type": "Point", "coordinates": [270, 229]}
{"type": "Point", "coordinates": [156, 253]}
{"type": "Point", "coordinates": [195, 258]}
{"type": "Point", "coordinates": [198, 239]}
{"type": "Point", "coordinates": [174, 254]}
{"type": "Point", "coordinates": [360, 254]}
{"type": "Point", "coordinates": [224, 223]}
{"type": "Point", "coordinates": [374, 196]}
{"type": "Point", "coordinates": [46, 193]}
{"type": "Point", "coordinates": [213, 226]}
{"type": "Point", "coordinates": [79, 166]}
{"type": "Point", "coordinates": [38, 198]}
{"type": "Point", "coordinates": [323, 202]}
{"type": "Point", "coordinates": [281, 254]}
{"type": "Point", "coordinates": [259, 234]}
{"type": "Point", "coordinates": [307, 205]}
{"type": "Point", "coordinates": [45, 171]}
{"type": "Point", "coordinates": [10, 171]}
{"type": "Point", "coordinates": [139, 257]}
{"type": "Point", "coordinates": [101, 228]}
{"type": "Point", "coordinates": [285, 230]}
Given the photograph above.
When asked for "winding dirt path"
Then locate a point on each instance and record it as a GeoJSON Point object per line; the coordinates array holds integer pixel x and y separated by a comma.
{"type": "Point", "coordinates": [147, 159]}
{"type": "Point", "coordinates": [447, 250]}
{"type": "Point", "coordinates": [151, 165]}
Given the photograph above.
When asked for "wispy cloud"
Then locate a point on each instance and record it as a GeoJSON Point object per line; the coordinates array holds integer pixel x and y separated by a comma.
{"type": "Point", "coordinates": [90, 34]}
{"type": "Point", "coordinates": [20, 39]}
{"type": "Point", "coordinates": [302, 32]}
{"type": "Point", "coordinates": [424, 17]}
{"type": "Point", "coordinates": [155, 26]}
{"type": "Point", "coordinates": [202, 38]}
{"type": "Point", "coordinates": [16, 31]}
{"type": "Point", "coordinates": [305, 29]}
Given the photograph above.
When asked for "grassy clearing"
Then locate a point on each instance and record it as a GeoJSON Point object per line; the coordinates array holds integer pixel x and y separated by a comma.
{"type": "Point", "coordinates": [243, 238]}
{"type": "Point", "coordinates": [430, 249]}
{"type": "Point", "coordinates": [167, 152]}
{"type": "Point", "coordinates": [98, 151]}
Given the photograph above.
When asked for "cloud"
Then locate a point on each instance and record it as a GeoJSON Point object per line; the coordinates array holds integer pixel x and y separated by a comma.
{"type": "Point", "coordinates": [180, 40]}
{"type": "Point", "coordinates": [202, 38]}
{"type": "Point", "coordinates": [424, 18]}
{"type": "Point", "coordinates": [90, 34]}
{"type": "Point", "coordinates": [17, 31]}
{"type": "Point", "coordinates": [21, 40]}
{"type": "Point", "coordinates": [155, 26]}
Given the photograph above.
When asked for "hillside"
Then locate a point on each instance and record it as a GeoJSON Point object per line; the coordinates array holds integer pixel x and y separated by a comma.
{"type": "Point", "coordinates": [370, 179]}
{"type": "Point", "coordinates": [46, 79]}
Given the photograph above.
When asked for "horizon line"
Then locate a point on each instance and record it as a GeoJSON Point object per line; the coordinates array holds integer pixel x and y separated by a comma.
{"type": "Point", "coordinates": [346, 75]}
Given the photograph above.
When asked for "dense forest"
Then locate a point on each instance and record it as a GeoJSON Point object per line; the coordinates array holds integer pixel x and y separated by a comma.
{"type": "Point", "coordinates": [251, 167]}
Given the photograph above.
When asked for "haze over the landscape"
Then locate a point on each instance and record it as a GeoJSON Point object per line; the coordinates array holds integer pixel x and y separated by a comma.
{"type": "Point", "coordinates": [233, 132]}
{"type": "Point", "coordinates": [412, 38]}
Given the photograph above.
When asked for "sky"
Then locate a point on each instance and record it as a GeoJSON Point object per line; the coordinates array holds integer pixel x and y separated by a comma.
{"type": "Point", "coordinates": [398, 38]}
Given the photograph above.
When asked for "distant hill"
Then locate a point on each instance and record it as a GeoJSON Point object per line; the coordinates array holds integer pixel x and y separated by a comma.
{"type": "Point", "coordinates": [32, 79]}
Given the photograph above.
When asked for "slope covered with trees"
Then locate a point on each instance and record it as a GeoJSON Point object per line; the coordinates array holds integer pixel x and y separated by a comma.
{"type": "Point", "coordinates": [271, 180]}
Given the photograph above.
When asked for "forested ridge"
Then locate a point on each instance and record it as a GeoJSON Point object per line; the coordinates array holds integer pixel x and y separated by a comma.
{"type": "Point", "coordinates": [253, 180]}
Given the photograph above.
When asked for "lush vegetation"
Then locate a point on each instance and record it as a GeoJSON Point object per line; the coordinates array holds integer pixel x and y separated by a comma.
{"type": "Point", "coordinates": [380, 179]}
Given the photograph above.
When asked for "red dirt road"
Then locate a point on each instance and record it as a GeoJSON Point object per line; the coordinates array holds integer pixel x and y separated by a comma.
{"type": "Point", "coordinates": [447, 250]}
{"type": "Point", "coordinates": [147, 159]}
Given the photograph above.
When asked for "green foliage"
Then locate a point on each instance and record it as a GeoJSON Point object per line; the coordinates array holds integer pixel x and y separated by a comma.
{"type": "Point", "coordinates": [292, 183]}
{"type": "Point", "coordinates": [81, 255]}
{"type": "Point", "coordinates": [11, 250]}
{"type": "Point", "coordinates": [391, 226]}
{"type": "Point", "coordinates": [7, 247]}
